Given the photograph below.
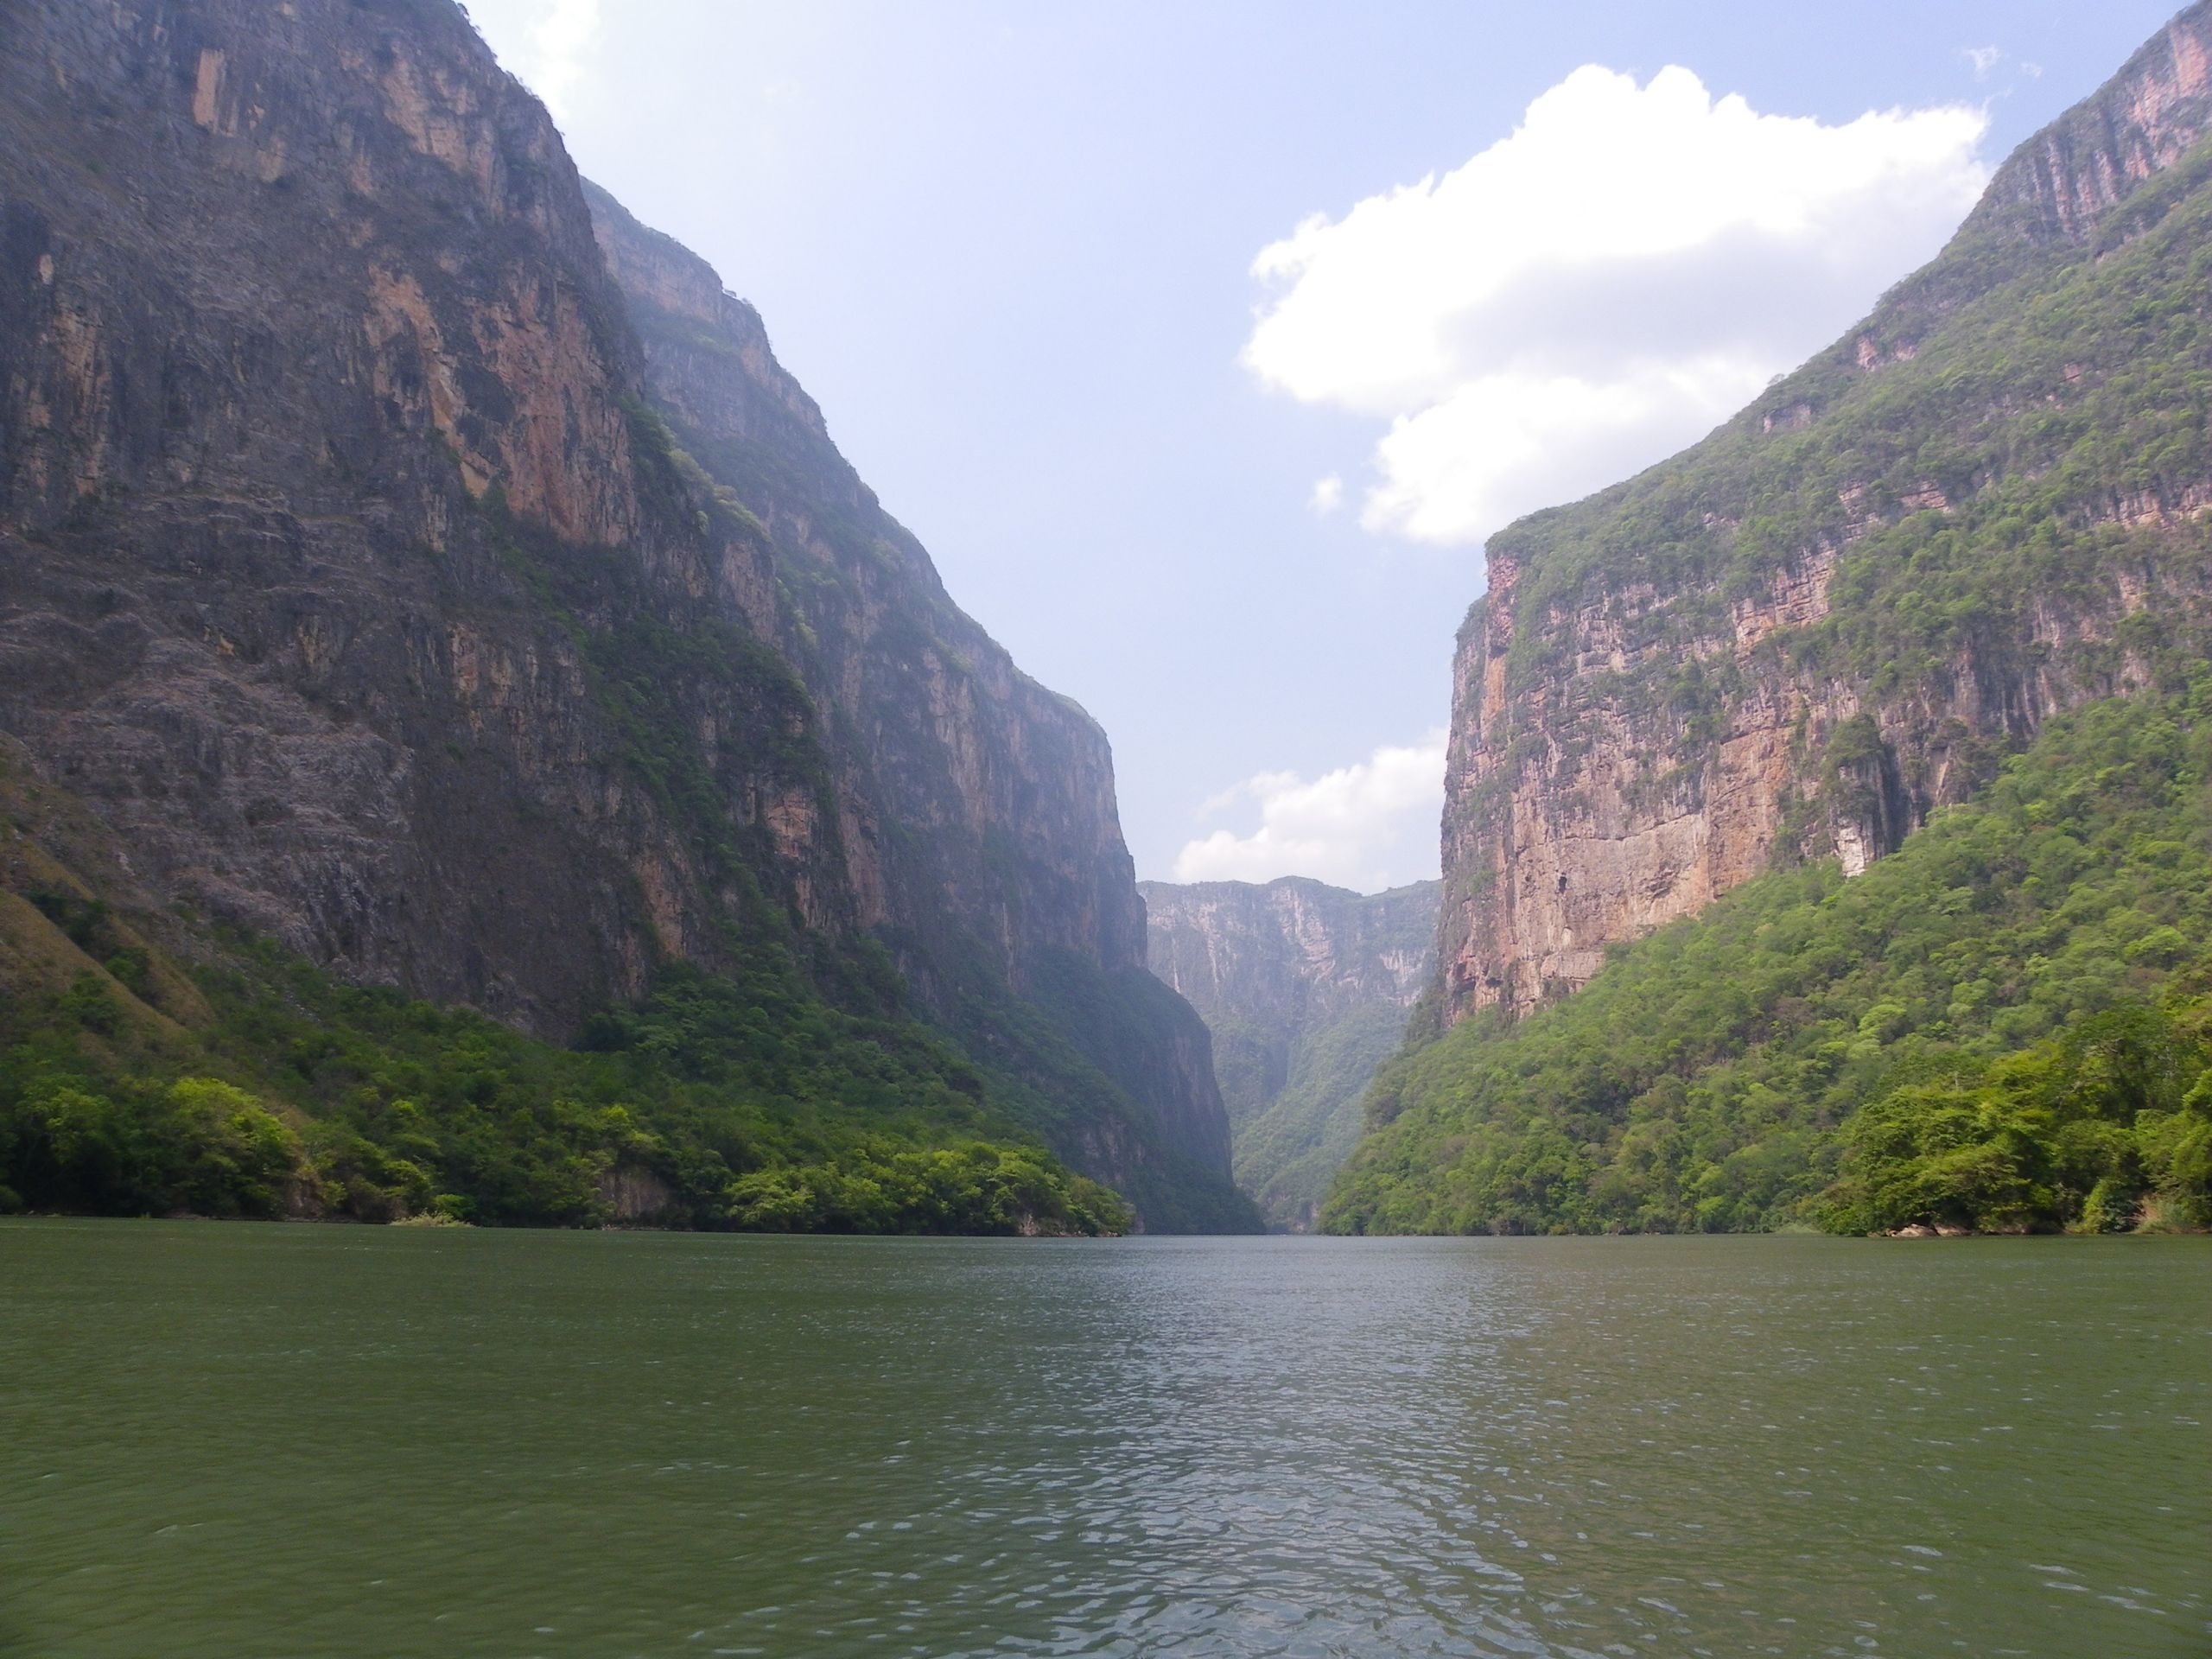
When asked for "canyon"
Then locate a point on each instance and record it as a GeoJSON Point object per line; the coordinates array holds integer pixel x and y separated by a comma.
{"type": "Point", "coordinates": [1306, 988]}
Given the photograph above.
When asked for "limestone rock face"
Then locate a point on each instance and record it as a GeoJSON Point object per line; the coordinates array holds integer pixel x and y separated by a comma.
{"type": "Point", "coordinates": [1671, 686]}
{"type": "Point", "coordinates": [1306, 988]}
{"type": "Point", "coordinates": [288, 291]}
{"type": "Point", "coordinates": [2062, 181]}
{"type": "Point", "coordinates": [352, 576]}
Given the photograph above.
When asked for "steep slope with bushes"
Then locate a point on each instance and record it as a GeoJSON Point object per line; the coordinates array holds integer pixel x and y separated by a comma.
{"type": "Point", "coordinates": [1733, 699]}
{"type": "Point", "coordinates": [2005, 1023]}
{"type": "Point", "coordinates": [151, 1062]}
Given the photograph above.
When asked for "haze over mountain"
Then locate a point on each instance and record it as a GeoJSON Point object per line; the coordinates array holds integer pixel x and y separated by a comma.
{"type": "Point", "coordinates": [1305, 989]}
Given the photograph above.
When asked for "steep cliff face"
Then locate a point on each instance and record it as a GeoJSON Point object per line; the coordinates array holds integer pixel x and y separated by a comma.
{"type": "Point", "coordinates": [978, 807]}
{"type": "Point", "coordinates": [1306, 988]}
{"type": "Point", "coordinates": [1006, 786]}
{"type": "Point", "coordinates": [1982, 506]}
{"type": "Point", "coordinates": [293, 297]}
{"type": "Point", "coordinates": [349, 577]}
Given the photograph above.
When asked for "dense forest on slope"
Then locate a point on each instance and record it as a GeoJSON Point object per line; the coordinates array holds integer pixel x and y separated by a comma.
{"type": "Point", "coordinates": [149, 1063]}
{"type": "Point", "coordinates": [1288, 1153]}
{"type": "Point", "coordinates": [1766, 813]}
{"type": "Point", "coordinates": [2007, 1024]}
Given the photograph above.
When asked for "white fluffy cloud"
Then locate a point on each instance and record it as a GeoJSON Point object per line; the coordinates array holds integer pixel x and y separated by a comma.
{"type": "Point", "coordinates": [1369, 825]}
{"type": "Point", "coordinates": [1328, 495]}
{"type": "Point", "coordinates": [547, 43]}
{"type": "Point", "coordinates": [1603, 286]}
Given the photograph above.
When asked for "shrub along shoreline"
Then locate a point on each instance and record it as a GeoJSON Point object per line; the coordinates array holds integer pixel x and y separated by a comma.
{"type": "Point", "coordinates": [293, 1095]}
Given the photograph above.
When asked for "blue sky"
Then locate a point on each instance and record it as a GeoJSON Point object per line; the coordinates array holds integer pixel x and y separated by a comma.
{"type": "Point", "coordinates": [1224, 480]}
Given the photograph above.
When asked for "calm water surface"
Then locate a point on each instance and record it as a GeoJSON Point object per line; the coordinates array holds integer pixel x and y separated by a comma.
{"type": "Point", "coordinates": [266, 1440]}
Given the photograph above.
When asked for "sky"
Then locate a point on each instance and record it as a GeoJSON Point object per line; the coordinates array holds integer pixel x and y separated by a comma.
{"type": "Point", "coordinates": [1203, 343]}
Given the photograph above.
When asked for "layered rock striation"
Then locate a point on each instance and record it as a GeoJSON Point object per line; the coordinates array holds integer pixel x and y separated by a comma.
{"type": "Point", "coordinates": [406, 556]}
{"type": "Point", "coordinates": [1985, 505]}
{"type": "Point", "coordinates": [1305, 989]}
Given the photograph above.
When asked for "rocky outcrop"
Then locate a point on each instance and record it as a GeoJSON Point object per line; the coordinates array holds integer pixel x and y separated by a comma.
{"type": "Point", "coordinates": [350, 575]}
{"type": "Point", "coordinates": [1306, 988]}
{"type": "Point", "coordinates": [1835, 615]}
{"type": "Point", "coordinates": [288, 293]}
{"type": "Point", "coordinates": [2063, 181]}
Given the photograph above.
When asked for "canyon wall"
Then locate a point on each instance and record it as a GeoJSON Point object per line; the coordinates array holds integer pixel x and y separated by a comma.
{"type": "Point", "coordinates": [977, 806]}
{"type": "Point", "coordinates": [1836, 614]}
{"type": "Point", "coordinates": [1305, 989]}
{"type": "Point", "coordinates": [393, 583]}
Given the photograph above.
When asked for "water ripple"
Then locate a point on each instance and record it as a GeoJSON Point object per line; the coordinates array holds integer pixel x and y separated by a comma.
{"type": "Point", "coordinates": [288, 1441]}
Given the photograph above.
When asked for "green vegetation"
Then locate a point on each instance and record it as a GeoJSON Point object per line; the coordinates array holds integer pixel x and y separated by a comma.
{"type": "Point", "coordinates": [2048, 417]}
{"type": "Point", "coordinates": [714, 1105]}
{"type": "Point", "coordinates": [148, 1063]}
{"type": "Point", "coordinates": [1297, 983]}
{"type": "Point", "coordinates": [1288, 1153]}
{"type": "Point", "coordinates": [2106, 1128]}
{"type": "Point", "coordinates": [1075, 1054]}
{"type": "Point", "coordinates": [2005, 1025]}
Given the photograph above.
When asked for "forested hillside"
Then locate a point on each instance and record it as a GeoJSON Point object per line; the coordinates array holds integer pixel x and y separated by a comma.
{"type": "Point", "coordinates": [1797, 698]}
{"type": "Point", "coordinates": [2005, 1023]}
{"type": "Point", "coordinates": [1806, 634]}
{"type": "Point", "coordinates": [1305, 987]}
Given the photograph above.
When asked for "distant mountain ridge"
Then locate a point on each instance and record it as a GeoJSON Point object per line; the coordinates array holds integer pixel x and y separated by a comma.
{"type": "Point", "coordinates": [1306, 988]}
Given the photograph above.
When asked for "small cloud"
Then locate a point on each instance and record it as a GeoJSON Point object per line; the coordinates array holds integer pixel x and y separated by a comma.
{"type": "Point", "coordinates": [1369, 825]}
{"type": "Point", "coordinates": [1328, 495]}
{"type": "Point", "coordinates": [548, 44]}
{"type": "Point", "coordinates": [564, 38]}
{"type": "Point", "coordinates": [1985, 59]}
{"type": "Point", "coordinates": [1257, 787]}
{"type": "Point", "coordinates": [2032, 71]}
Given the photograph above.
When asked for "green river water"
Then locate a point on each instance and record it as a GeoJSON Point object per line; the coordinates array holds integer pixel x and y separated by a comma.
{"type": "Point", "coordinates": [244, 1441]}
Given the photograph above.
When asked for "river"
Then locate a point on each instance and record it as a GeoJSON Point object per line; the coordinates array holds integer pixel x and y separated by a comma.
{"type": "Point", "coordinates": [244, 1441]}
